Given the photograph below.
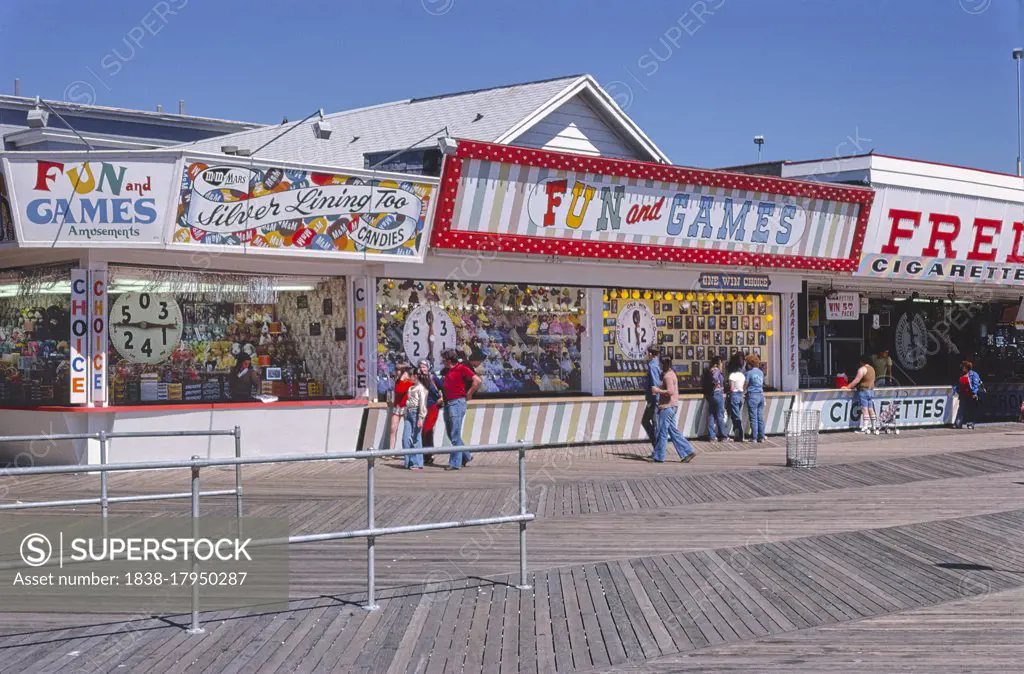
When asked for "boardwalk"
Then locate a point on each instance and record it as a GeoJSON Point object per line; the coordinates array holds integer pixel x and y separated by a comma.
{"type": "Point", "coordinates": [895, 554]}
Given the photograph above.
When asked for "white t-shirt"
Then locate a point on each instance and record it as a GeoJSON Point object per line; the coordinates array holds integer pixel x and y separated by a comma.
{"type": "Point", "coordinates": [736, 382]}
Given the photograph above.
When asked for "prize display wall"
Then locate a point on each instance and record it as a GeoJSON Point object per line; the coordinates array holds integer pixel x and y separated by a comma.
{"type": "Point", "coordinates": [183, 337]}
{"type": "Point", "coordinates": [35, 324]}
{"type": "Point", "coordinates": [691, 327]}
{"type": "Point", "coordinates": [520, 338]}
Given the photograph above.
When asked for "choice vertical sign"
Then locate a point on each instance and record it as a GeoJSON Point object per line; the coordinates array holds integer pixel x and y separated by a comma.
{"type": "Point", "coordinates": [933, 236]}
{"type": "Point", "coordinates": [79, 337]}
{"type": "Point", "coordinates": [88, 338]}
{"type": "Point", "coordinates": [519, 200]}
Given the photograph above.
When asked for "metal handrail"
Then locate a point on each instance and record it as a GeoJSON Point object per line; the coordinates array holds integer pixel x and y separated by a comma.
{"type": "Point", "coordinates": [104, 499]}
{"type": "Point", "coordinates": [370, 533]}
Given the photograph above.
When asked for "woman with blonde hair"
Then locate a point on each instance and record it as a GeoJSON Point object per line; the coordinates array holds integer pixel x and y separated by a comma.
{"type": "Point", "coordinates": [755, 397]}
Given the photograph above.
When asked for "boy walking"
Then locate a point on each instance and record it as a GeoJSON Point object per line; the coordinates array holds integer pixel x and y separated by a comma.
{"type": "Point", "coordinates": [668, 400]}
{"type": "Point", "coordinates": [650, 418]}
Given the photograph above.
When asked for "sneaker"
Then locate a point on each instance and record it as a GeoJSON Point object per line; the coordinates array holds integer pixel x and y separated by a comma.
{"type": "Point", "coordinates": [689, 457]}
{"type": "Point", "coordinates": [465, 462]}
{"type": "Point", "coordinates": [451, 468]}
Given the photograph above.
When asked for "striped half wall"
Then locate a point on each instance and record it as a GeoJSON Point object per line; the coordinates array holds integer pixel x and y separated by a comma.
{"type": "Point", "coordinates": [568, 421]}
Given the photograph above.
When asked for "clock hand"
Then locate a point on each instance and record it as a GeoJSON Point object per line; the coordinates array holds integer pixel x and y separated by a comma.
{"type": "Point", "coordinates": [145, 325]}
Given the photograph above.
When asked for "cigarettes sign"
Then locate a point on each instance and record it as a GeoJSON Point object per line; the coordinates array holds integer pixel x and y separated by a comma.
{"type": "Point", "coordinates": [932, 236]}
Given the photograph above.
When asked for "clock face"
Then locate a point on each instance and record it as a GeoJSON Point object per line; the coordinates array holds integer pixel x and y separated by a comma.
{"type": "Point", "coordinates": [429, 330]}
{"type": "Point", "coordinates": [145, 328]}
{"type": "Point", "coordinates": [912, 341]}
{"type": "Point", "coordinates": [635, 330]}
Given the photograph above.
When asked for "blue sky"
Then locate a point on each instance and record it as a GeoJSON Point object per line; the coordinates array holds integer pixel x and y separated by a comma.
{"type": "Point", "coordinates": [928, 79]}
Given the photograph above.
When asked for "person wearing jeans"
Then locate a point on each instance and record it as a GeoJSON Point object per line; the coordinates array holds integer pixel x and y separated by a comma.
{"type": "Point", "coordinates": [668, 401]}
{"type": "Point", "coordinates": [649, 421]}
{"type": "Point", "coordinates": [459, 384]}
{"type": "Point", "coordinates": [755, 397]}
{"type": "Point", "coordinates": [415, 415]}
{"type": "Point", "coordinates": [714, 396]}
{"type": "Point", "coordinates": [737, 381]}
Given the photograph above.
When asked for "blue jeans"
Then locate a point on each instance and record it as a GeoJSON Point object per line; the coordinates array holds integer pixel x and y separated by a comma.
{"type": "Point", "coordinates": [716, 416]}
{"type": "Point", "coordinates": [735, 409]}
{"type": "Point", "coordinates": [454, 413]}
{"type": "Point", "coordinates": [412, 438]}
{"type": "Point", "coordinates": [755, 409]}
{"type": "Point", "coordinates": [667, 430]}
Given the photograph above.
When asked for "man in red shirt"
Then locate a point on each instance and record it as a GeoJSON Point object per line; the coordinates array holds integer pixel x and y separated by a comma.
{"type": "Point", "coordinates": [459, 384]}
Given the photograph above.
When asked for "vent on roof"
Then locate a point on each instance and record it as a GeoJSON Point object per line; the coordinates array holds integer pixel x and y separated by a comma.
{"type": "Point", "coordinates": [229, 149]}
{"type": "Point", "coordinates": [478, 117]}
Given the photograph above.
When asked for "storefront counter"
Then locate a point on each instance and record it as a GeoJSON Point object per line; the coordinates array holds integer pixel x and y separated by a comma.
{"type": "Point", "coordinates": [918, 406]}
{"type": "Point", "coordinates": [560, 421]}
{"type": "Point", "coordinates": [277, 428]}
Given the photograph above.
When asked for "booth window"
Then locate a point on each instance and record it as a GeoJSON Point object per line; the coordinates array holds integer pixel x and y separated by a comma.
{"type": "Point", "coordinates": [185, 337]}
{"type": "Point", "coordinates": [35, 318]}
{"type": "Point", "coordinates": [691, 327]}
{"type": "Point", "coordinates": [520, 338]}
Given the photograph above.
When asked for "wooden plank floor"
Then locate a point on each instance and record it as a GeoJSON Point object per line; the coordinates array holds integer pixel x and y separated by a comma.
{"type": "Point", "coordinates": [634, 566]}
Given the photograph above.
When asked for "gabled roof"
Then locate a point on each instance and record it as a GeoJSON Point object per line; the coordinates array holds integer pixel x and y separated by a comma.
{"type": "Point", "coordinates": [497, 115]}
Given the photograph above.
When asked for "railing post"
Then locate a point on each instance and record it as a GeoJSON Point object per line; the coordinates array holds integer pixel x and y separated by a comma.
{"type": "Point", "coordinates": [523, 581]}
{"type": "Point", "coordinates": [104, 503]}
{"type": "Point", "coordinates": [195, 628]}
{"type": "Point", "coordinates": [371, 602]}
{"type": "Point", "coordinates": [238, 480]}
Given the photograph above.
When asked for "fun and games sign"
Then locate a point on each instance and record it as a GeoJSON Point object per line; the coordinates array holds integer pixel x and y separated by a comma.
{"type": "Point", "coordinates": [520, 200]}
{"type": "Point", "coordinates": [296, 209]}
{"type": "Point", "coordinates": [67, 199]}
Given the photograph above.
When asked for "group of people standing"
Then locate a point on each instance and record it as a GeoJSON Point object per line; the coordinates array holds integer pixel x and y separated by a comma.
{"type": "Point", "coordinates": [420, 396]}
{"type": "Point", "coordinates": [744, 381]}
{"type": "Point", "coordinates": [726, 392]}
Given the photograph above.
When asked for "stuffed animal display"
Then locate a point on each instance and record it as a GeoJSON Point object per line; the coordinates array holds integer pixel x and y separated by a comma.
{"type": "Point", "coordinates": [519, 338]}
{"type": "Point", "coordinates": [34, 355]}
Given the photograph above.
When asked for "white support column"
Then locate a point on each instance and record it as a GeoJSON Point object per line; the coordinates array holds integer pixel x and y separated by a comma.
{"type": "Point", "coordinates": [592, 357]}
{"type": "Point", "coordinates": [790, 342]}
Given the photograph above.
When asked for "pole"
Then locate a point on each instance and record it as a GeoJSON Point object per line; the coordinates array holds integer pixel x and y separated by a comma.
{"type": "Point", "coordinates": [195, 628]}
{"type": "Point", "coordinates": [523, 581]}
{"type": "Point", "coordinates": [371, 603]}
{"type": "Point", "coordinates": [238, 480]}
{"type": "Point", "coordinates": [1020, 147]}
{"type": "Point", "coordinates": [104, 503]}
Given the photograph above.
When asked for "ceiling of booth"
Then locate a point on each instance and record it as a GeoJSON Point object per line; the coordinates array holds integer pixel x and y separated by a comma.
{"type": "Point", "coordinates": [587, 121]}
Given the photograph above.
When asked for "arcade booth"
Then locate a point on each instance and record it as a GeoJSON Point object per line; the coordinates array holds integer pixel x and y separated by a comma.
{"type": "Point", "coordinates": [940, 281]}
{"type": "Point", "coordinates": [554, 273]}
{"type": "Point", "coordinates": [167, 290]}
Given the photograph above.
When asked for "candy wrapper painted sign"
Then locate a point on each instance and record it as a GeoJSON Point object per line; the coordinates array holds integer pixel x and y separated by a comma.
{"type": "Point", "coordinates": [300, 210]}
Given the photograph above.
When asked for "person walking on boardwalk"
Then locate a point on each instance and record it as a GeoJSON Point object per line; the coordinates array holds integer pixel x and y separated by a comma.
{"type": "Point", "coordinates": [668, 401]}
{"type": "Point", "coordinates": [650, 419]}
{"type": "Point", "coordinates": [969, 389]}
{"type": "Point", "coordinates": [714, 398]}
{"type": "Point", "coordinates": [397, 399]}
{"type": "Point", "coordinates": [755, 397]}
{"type": "Point", "coordinates": [736, 382]}
{"type": "Point", "coordinates": [415, 416]}
{"type": "Point", "coordinates": [459, 385]}
{"type": "Point", "coordinates": [434, 402]}
{"type": "Point", "coordinates": [864, 384]}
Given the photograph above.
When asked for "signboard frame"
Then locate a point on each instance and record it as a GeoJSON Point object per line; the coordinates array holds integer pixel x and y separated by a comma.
{"type": "Point", "coordinates": [633, 173]}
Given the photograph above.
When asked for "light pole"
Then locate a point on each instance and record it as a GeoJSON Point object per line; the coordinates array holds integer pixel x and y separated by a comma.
{"type": "Point", "coordinates": [758, 141]}
{"type": "Point", "coordinates": [1018, 53]}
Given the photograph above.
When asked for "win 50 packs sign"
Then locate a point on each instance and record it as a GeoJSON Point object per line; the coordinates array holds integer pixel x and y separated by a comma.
{"type": "Point", "coordinates": [68, 200]}
{"type": "Point", "coordinates": [365, 215]}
